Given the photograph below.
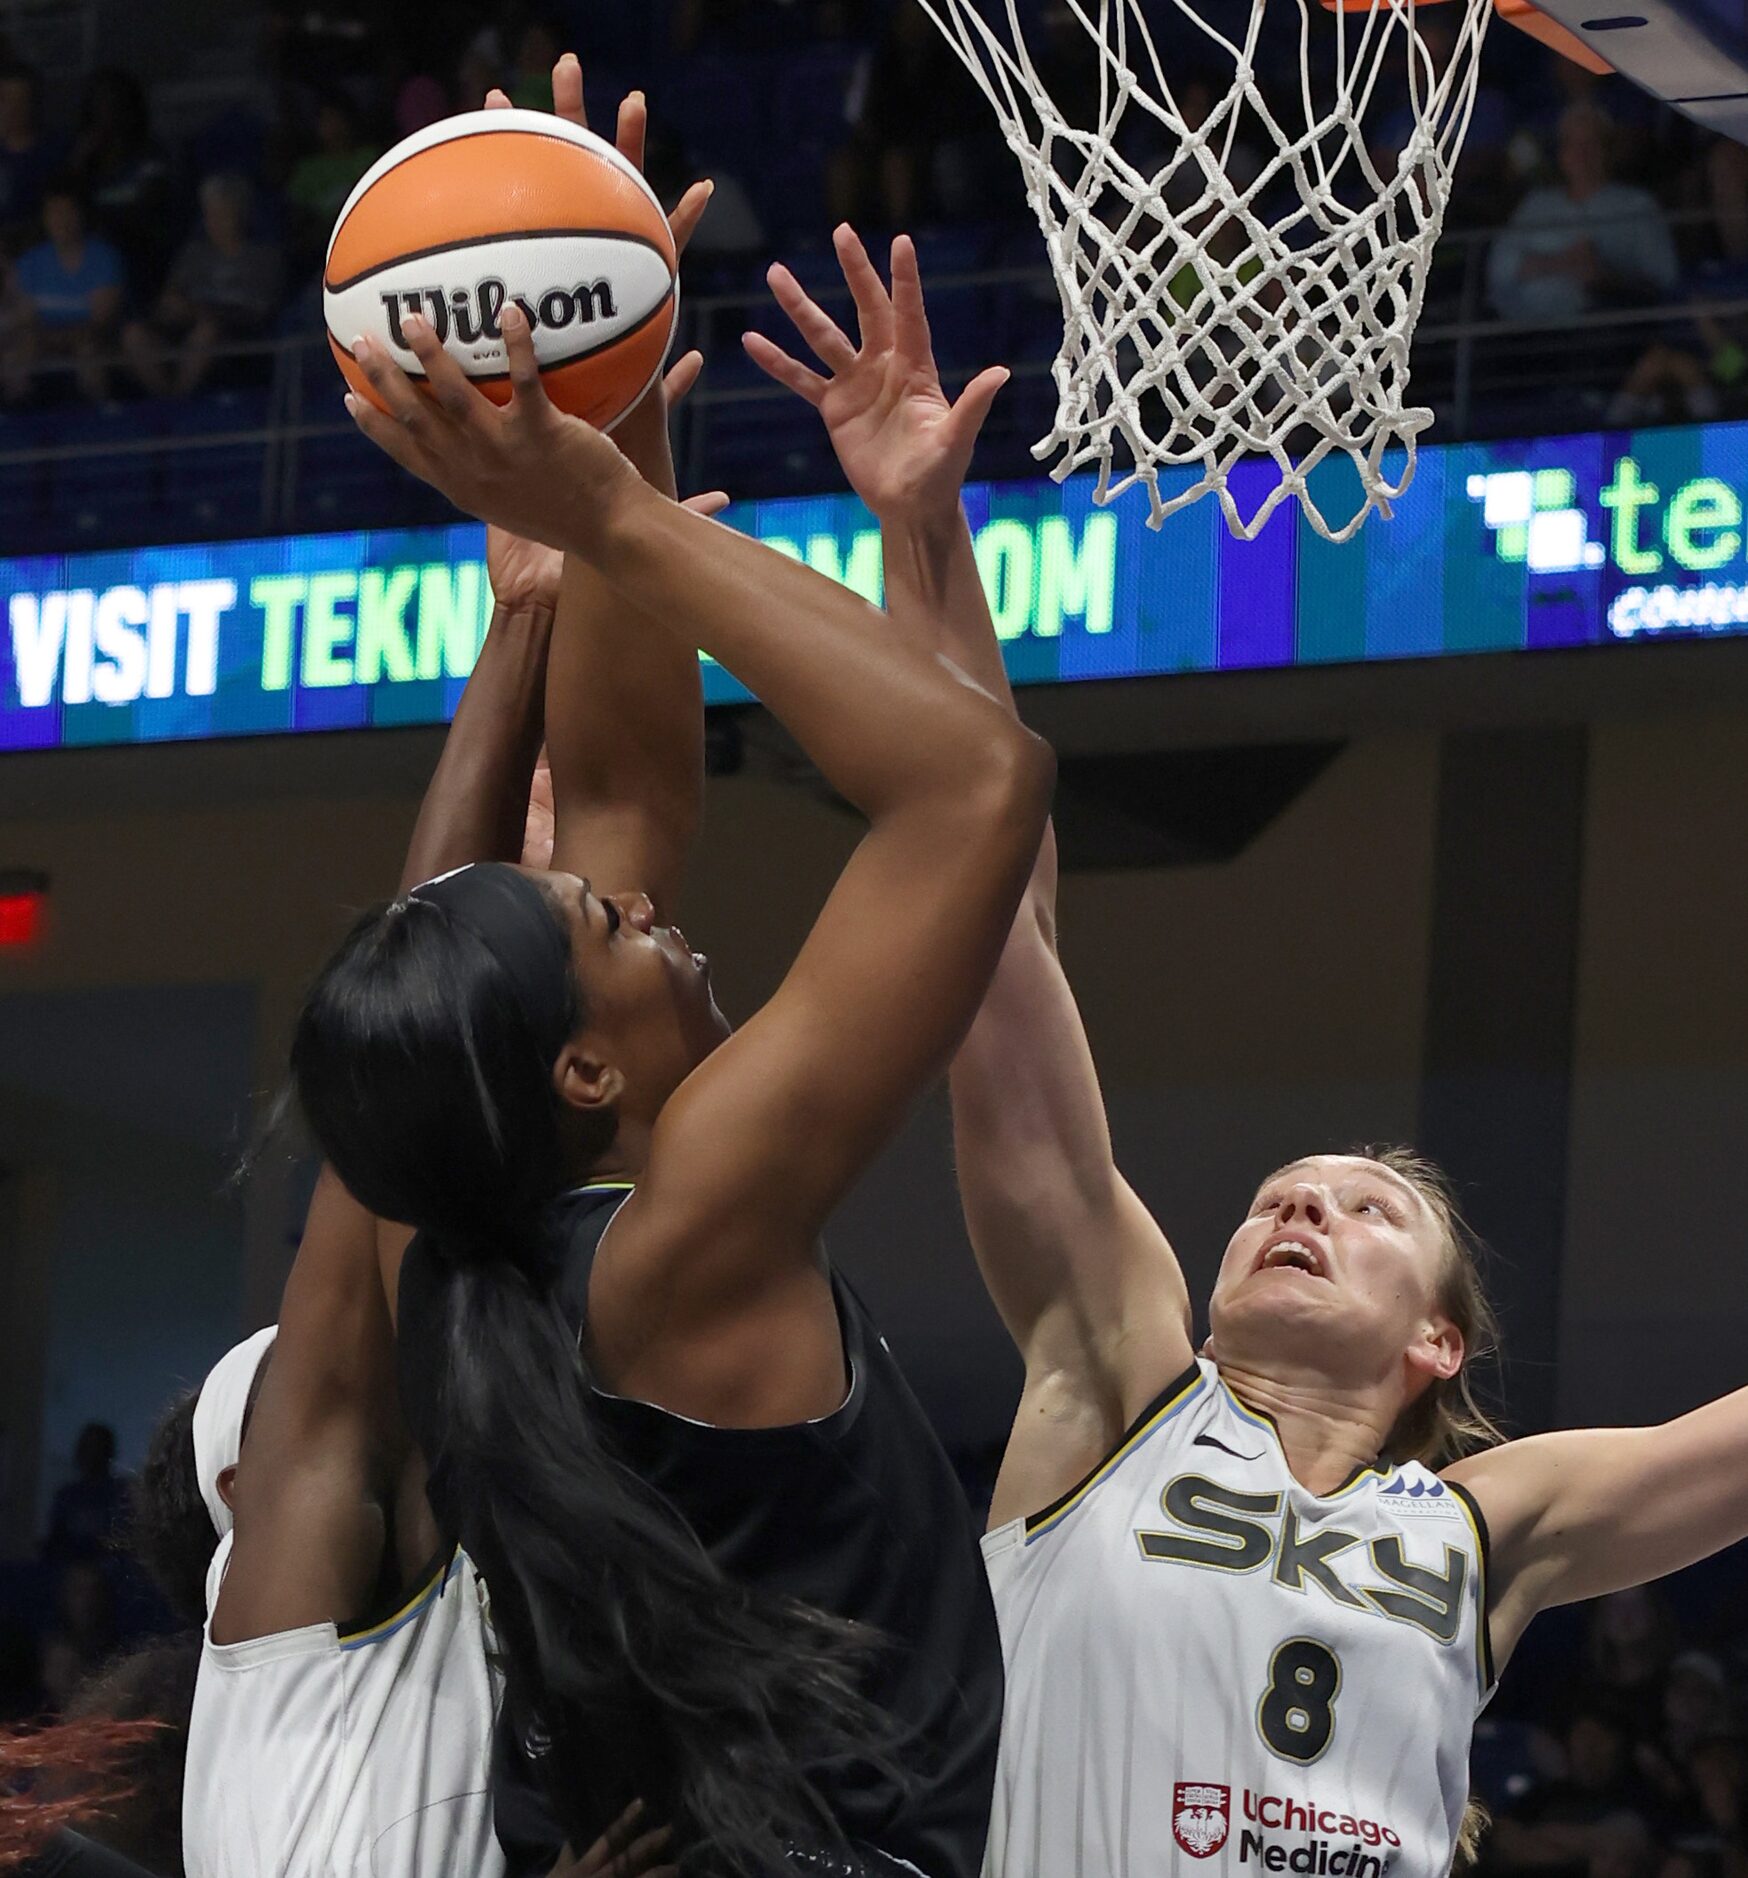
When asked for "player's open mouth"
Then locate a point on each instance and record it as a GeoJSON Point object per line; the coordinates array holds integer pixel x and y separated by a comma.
{"type": "Point", "coordinates": [1284, 1252]}
{"type": "Point", "coordinates": [699, 961]}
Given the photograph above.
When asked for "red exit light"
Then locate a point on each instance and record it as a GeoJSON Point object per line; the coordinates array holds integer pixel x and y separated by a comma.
{"type": "Point", "coordinates": [22, 906]}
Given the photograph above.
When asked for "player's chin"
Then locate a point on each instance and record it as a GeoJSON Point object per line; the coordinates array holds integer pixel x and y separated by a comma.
{"type": "Point", "coordinates": [1281, 1296]}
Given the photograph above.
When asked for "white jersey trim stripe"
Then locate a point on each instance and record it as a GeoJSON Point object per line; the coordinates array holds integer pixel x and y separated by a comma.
{"type": "Point", "coordinates": [1484, 1673]}
{"type": "Point", "coordinates": [433, 1588]}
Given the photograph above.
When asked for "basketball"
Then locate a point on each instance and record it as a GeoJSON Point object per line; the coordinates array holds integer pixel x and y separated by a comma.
{"type": "Point", "coordinates": [492, 206]}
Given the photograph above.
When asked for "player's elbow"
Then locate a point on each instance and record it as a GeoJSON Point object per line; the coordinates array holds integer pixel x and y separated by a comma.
{"type": "Point", "coordinates": [1011, 788]}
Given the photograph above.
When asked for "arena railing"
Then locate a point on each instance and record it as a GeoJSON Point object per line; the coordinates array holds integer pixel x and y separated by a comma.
{"type": "Point", "coordinates": [1483, 375]}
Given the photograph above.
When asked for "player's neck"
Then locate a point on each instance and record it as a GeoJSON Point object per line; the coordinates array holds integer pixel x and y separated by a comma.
{"type": "Point", "coordinates": [624, 1159]}
{"type": "Point", "coordinates": [1327, 1432]}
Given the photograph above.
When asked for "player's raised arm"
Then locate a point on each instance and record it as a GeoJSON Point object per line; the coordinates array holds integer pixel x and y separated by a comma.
{"type": "Point", "coordinates": [1585, 1511]}
{"type": "Point", "coordinates": [1081, 1273]}
{"type": "Point", "coordinates": [761, 1139]}
{"type": "Point", "coordinates": [624, 706]}
{"type": "Point", "coordinates": [326, 1444]}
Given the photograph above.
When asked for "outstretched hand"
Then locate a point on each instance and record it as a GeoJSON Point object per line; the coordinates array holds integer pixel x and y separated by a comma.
{"type": "Point", "coordinates": [903, 444]}
{"type": "Point", "coordinates": [642, 433]}
{"type": "Point", "coordinates": [630, 136]}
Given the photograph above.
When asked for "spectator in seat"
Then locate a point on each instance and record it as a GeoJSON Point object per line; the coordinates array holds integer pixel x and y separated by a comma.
{"type": "Point", "coordinates": [27, 159]}
{"type": "Point", "coordinates": [1696, 1704]}
{"type": "Point", "coordinates": [477, 71]}
{"type": "Point", "coordinates": [1717, 1774]}
{"type": "Point", "coordinates": [63, 300]}
{"type": "Point", "coordinates": [1628, 1651]}
{"type": "Point", "coordinates": [1484, 186]}
{"type": "Point", "coordinates": [1695, 369]}
{"type": "Point", "coordinates": [224, 287]}
{"type": "Point", "coordinates": [89, 1513]}
{"type": "Point", "coordinates": [1584, 242]}
{"type": "Point", "coordinates": [421, 100]}
{"type": "Point", "coordinates": [916, 120]}
{"type": "Point", "coordinates": [124, 175]}
{"type": "Point", "coordinates": [530, 80]}
{"type": "Point", "coordinates": [1692, 1760]}
{"type": "Point", "coordinates": [321, 181]}
{"type": "Point", "coordinates": [1590, 1822]}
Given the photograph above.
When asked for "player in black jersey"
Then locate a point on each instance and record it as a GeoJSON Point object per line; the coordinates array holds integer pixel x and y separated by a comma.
{"type": "Point", "coordinates": [728, 1563]}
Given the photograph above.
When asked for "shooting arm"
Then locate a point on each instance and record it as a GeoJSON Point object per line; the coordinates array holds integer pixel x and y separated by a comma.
{"type": "Point", "coordinates": [624, 717]}
{"type": "Point", "coordinates": [624, 704]}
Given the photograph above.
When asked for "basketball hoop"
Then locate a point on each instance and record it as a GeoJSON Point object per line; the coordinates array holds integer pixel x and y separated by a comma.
{"type": "Point", "coordinates": [1215, 312]}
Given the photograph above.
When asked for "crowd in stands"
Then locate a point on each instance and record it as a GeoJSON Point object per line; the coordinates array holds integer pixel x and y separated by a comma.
{"type": "Point", "coordinates": [140, 266]}
{"type": "Point", "coordinates": [1615, 1747]}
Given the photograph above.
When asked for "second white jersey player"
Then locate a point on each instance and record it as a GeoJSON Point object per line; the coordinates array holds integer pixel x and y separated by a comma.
{"type": "Point", "coordinates": [1211, 1668]}
{"type": "Point", "coordinates": [318, 1752]}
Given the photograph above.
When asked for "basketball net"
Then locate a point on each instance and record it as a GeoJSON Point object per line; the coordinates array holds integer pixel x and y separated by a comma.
{"type": "Point", "coordinates": [1212, 314]}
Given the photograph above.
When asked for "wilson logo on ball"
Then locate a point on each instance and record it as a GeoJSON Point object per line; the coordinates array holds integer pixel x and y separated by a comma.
{"type": "Point", "coordinates": [472, 314]}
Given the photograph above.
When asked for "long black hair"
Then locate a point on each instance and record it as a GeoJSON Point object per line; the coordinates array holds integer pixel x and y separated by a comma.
{"type": "Point", "coordinates": [423, 1063]}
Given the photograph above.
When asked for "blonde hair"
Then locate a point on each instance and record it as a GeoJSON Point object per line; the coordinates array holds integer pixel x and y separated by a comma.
{"type": "Point", "coordinates": [1446, 1421]}
{"type": "Point", "coordinates": [1476, 1820]}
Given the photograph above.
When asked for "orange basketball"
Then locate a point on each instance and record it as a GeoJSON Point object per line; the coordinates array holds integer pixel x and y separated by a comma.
{"type": "Point", "coordinates": [494, 206]}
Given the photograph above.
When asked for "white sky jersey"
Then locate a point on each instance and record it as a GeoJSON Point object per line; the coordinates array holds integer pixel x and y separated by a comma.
{"type": "Point", "coordinates": [322, 1754]}
{"type": "Point", "coordinates": [1212, 1670]}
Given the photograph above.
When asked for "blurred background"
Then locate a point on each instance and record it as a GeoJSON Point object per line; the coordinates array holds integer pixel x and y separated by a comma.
{"type": "Point", "coordinates": [1493, 908]}
{"type": "Point", "coordinates": [169, 175]}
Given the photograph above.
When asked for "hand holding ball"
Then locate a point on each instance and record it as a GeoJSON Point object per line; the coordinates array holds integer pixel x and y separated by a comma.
{"type": "Point", "coordinates": [494, 206]}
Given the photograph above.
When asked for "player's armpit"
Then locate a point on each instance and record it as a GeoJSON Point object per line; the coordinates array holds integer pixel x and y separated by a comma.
{"type": "Point", "coordinates": [310, 1552]}
{"type": "Point", "coordinates": [1583, 1512]}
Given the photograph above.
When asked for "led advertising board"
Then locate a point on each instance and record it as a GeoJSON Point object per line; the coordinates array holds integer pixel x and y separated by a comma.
{"type": "Point", "coordinates": [1563, 541]}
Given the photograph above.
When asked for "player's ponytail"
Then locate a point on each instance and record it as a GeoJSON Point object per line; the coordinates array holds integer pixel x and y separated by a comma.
{"type": "Point", "coordinates": [424, 1066]}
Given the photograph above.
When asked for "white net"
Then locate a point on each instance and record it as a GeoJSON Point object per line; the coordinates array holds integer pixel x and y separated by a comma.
{"type": "Point", "coordinates": [1242, 256]}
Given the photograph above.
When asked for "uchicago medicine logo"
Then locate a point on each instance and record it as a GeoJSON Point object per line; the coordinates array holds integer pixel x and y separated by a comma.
{"type": "Point", "coordinates": [1201, 1817]}
{"type": "Point", "coordinates": [1280, 1834]}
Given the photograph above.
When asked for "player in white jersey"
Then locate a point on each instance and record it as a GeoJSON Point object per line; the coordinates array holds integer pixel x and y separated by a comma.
{"type": "Point", "coordinates": [344, 1707]}
{"type": "Point", "coordinates": [1283, 1679]}
{"type": "Point", "coordinates": [1246, 1626]}
{"type": "Point", "coordinates": [316, 1746]}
